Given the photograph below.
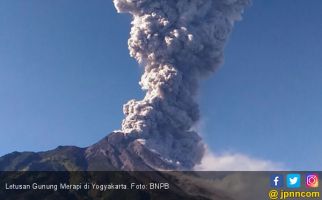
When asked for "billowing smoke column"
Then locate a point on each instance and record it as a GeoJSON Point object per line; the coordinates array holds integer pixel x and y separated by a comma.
{"type": "Point", "coordinates": [178, 42]}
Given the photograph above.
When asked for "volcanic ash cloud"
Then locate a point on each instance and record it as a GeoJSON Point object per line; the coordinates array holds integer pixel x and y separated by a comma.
{"type": "Point", "coordinates": [178, 42]}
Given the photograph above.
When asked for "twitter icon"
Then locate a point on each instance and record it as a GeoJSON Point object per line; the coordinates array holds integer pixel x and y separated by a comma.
{"type": "Point", "coordinates": [293, 180]}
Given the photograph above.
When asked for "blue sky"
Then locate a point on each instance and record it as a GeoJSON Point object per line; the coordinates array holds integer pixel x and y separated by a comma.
{"type": "Point", "coordinates": [65, 73]}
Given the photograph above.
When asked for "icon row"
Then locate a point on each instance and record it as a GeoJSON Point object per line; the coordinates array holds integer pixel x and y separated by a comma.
{"type": "Point", "coordinates": [294, 180]}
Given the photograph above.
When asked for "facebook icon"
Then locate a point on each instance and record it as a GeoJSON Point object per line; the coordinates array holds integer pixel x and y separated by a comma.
{"type": "Point", "coordinates": [277, 181]}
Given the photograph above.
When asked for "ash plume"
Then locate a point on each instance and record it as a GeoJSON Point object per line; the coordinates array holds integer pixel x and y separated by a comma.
{"type": "Point", "coordinates": [178, 42]}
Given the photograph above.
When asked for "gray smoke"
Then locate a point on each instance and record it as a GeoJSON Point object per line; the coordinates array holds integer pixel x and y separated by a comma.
{"type": "Point", "coordinates": [178, 42]}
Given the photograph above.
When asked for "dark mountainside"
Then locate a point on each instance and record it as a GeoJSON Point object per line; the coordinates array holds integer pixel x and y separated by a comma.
{"type": "Point", "coordinates": [114, 159]}
{"type": "Point", "coordinates": [63, 158]}
{"type": "Point", "coordinates": [114, 152]}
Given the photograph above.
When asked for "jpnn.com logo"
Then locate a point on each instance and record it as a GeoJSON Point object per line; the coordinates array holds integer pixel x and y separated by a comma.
{"type": "Point", "coordinates": [293, 181]}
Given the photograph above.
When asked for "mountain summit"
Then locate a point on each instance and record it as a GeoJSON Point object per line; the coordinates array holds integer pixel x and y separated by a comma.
{"type": "Point", "coordinates": [113, 153]}
{"type": "Point", "coordinates": [116, 158]}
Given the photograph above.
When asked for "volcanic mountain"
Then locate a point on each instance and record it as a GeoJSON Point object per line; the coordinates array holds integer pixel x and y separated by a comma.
{"type": "Point", "coordinates": [112, 153]}
{"type": "Point", "coordinates": [115, 159]}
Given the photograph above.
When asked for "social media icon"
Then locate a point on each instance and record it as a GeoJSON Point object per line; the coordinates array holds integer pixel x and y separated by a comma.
{"type": "Point", "coordinates": [277, 181]}
{"type": "Point", "coordinates": [312, 181]}
{"type": "Point", "coordinates": [293, 180]}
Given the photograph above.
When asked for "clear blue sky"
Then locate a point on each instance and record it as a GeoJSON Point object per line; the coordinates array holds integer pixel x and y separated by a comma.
{"type": "Point", "coordinates": [65, 73]}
